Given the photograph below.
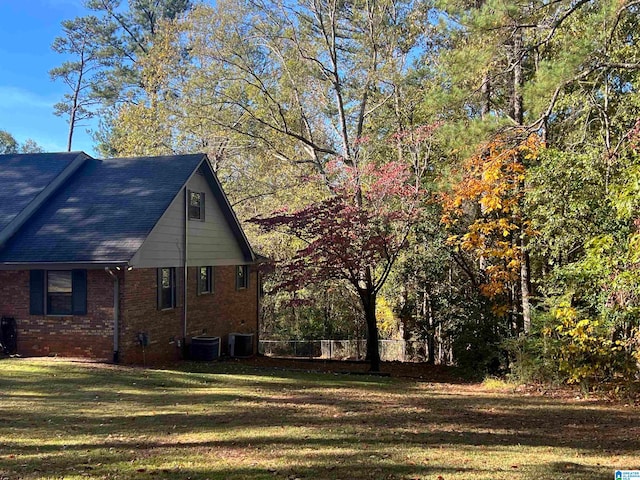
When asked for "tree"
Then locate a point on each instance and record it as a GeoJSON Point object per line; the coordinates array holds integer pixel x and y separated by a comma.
{"type": "Point", "coordinates": [291, 87]}
{"type": "Point", "coordinates": [8, 145]}
{"type": "Point", "coordinates": [517, 65]}
{"type": "Point", "coordinates": [300, 80]}
{"type": "Point", "coordinates": [82, 74]}
{"type": "Point", "coordinates": [30, 146]}
{"type": "Point", "coordinates": [354, 236]}
{"type": "Point", "coordinates": [128, 34]}
{"type": "Point", "coordinates": [106, 48]}
{"type": "Point", "coordinates": [489, 198]}
{"type": "Point", "coordinates": [579, 67]}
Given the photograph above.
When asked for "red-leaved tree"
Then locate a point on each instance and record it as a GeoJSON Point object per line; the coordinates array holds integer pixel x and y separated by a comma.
{"type": "Point", "coordinates": [355, 235]}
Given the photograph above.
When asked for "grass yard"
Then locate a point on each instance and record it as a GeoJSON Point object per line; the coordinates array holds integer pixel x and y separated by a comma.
{"type": "Point", "coordinates": [62, 419]}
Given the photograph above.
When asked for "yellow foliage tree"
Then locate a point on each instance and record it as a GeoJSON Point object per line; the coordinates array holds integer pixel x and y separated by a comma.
{"type": "Point", "coordinates": [485, 207]}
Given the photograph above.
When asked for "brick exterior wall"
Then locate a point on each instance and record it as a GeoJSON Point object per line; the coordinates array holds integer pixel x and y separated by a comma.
{"type": "Point", "coordinates": [89, 335]}
{"type": "Point", "coordinates": [224, 311]}
{"type": "Point", "coordinates": [140, 314]}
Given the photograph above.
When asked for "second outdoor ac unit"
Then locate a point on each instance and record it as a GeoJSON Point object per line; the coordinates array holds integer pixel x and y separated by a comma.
{"type": "Point", "coordinates": [240, 344]}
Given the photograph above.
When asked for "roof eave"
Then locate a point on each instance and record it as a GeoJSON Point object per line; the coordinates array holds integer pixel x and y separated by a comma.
{"type": "Point", "coordinates": [88, 265]}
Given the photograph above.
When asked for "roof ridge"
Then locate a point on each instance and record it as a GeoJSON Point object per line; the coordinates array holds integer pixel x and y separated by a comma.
{"type": "Point", "coordinates": [143, 157]}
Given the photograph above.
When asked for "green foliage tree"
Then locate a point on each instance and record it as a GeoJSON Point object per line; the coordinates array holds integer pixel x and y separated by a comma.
{"type": "Point", "coordinates": [83, 73]}
{"type": "Point", "coordinates": [30, 146]}
{"type": "Point", "coordinates": [8, 144]}
{"type": "Point", "coordinates": [105, 49]}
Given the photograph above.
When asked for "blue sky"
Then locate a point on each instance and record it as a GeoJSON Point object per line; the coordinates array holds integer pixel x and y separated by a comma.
{"type": "Point", "coordinates": [27, 95]}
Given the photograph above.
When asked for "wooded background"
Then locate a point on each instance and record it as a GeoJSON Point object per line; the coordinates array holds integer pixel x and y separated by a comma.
{"type": "Point", "coordinates": [464, 173]}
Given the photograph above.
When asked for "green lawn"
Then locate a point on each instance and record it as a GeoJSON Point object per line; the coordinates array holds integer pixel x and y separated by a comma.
{"type": "Point", "coordinates": [60, 419]}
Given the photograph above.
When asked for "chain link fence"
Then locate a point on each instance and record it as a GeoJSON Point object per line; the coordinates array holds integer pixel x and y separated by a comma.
{"type": "Point", "coordinates": [390, 350]}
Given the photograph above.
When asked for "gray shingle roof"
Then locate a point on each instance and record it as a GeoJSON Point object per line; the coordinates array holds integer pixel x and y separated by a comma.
{"type": "Point", "coordinates": [23, 177]}
{"type": "Point", "coordinates": [103, 213]}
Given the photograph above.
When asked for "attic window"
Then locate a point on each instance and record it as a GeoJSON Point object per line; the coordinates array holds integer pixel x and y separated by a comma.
{"type": "Point", "coordinates": [196, 205]}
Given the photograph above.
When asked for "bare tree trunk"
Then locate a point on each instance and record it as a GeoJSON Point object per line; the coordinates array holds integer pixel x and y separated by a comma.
{"type": "Point", "coordinates": [516, 98]}
{"type": "Point", "coordinates": [72, 124]}
{"type": "Point", "coordinates": [518, 116]}
{"type": "Point", "coordinates": [368, 298]}
{"type": "Point", "coordinates": [431, 330]}
{"type": "Point", "coordinates": [486, 96]}
{"type": "Point", "coordinates": [524, 286]}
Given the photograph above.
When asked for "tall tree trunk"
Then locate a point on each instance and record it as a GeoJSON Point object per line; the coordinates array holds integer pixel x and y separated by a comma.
{"type": "Point", "coordinates": [486, 96]}
{"type": "Point", "coordinates": [368, 298]}
{"type": "Point", "coordinates": [75, 101]}
{"type": "Point", "coordinates": [431, 330]}
{"type": "Point", "coordinates": [518, 80]}
{"type": "Point", "coordinates": [72, 124]}
{"type": "Point", "coordinates": [518, 116]}
{"type": "Point", "coordinates": [525, 281]}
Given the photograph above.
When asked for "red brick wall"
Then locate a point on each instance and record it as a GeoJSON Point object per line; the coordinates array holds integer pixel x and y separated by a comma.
{"type": "Point", "coordinates": [89, 335]}
{"type": "Point", "coordinates": [140, 314]}
{"type": "Point", "coordinates": [224, 311]}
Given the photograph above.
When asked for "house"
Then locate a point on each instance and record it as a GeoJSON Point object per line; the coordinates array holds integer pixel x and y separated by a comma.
{"type": "Point", "coordinates": [121, 259]}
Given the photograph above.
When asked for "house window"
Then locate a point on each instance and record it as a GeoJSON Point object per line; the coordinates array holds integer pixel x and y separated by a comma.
{"type": "Point", "coordinates": [242, 276]}
{"type": "Point", "coordinates": [58, 292]}
{"type": "Point", "coordinates": [205, 280]}
{"type": "Point", "coordinates": [166, 288]}
{"type": "Point", "coordinates": [196, 205]}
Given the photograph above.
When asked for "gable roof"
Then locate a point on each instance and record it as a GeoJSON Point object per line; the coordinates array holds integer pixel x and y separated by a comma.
{"type": "Point", "coordinates": [104, 211]}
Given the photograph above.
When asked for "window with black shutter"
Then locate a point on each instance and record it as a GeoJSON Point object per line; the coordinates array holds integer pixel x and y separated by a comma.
{"type": "Point", "coordinates": [58, 292]}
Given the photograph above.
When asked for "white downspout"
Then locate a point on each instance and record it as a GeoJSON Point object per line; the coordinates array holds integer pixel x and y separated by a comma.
{"type": "Point", "coordinates": [116, 315]}
{"type": "Point", "coordinates": [186, 243]}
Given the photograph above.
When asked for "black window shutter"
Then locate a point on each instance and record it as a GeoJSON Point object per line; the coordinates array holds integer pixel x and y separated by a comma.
{"type": "Point", "coordinates": [202, 206]}
{"type": "Point", "coordinates": [79, 291]}
{"type": "Point", "coordinates": [36, 292]}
